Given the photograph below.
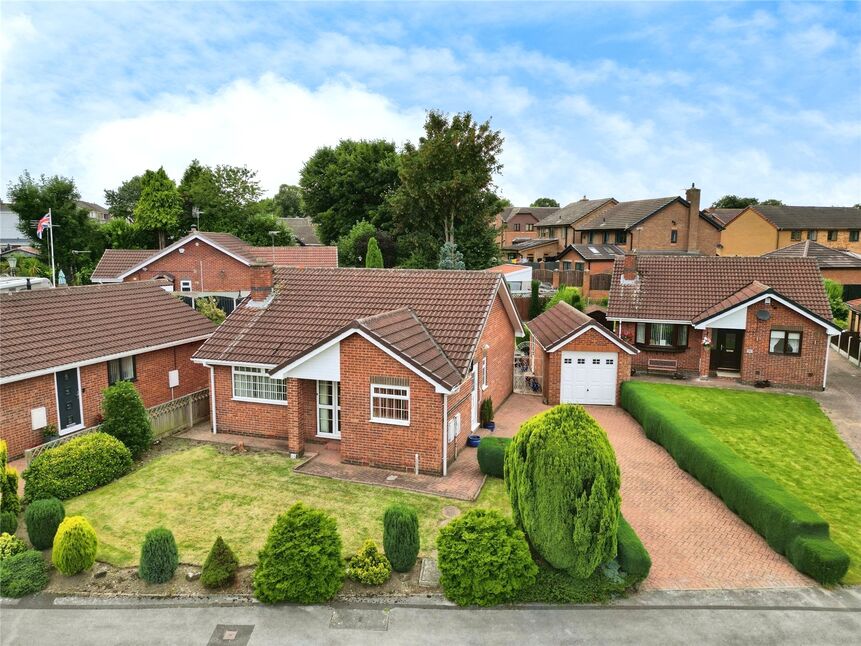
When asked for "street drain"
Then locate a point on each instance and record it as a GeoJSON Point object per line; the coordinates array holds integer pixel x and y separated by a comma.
{"type": "Point", "coordinates": [360, 619]}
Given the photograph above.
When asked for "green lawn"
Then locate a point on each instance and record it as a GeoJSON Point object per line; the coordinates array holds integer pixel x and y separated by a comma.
{"type": "Point", "coordinates": [791, 440]}
{"type": "Point", "coordinates": [200, 492]}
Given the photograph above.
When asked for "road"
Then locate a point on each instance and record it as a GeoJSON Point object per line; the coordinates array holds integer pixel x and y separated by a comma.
{"type": "Point", "coordinates": [803, 619]}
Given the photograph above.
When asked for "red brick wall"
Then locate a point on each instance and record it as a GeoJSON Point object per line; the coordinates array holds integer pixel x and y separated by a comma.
{"type": "Point", "coordinates": [843, 276]}
{"type": "Point", "coordinates": [18, 398]}
{"type": "Point", "coordinates": [207, 268]}
{"type": "Point", "coordinates": [688, 360]}
{"type": "Point", "coordinates": [247, 418]}
{"type": "Point", "coordinates": [590, 341]}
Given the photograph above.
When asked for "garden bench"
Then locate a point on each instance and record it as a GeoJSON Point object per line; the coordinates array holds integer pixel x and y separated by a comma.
{"type": "Point", "coordinates": [663, 365]}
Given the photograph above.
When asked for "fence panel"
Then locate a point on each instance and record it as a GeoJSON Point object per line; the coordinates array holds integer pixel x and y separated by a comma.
{"type": "Point", "coordinates": [849, 345]}
{"type": "Point", "coordinates": [600, 282]}
{"type": "Point", "coordinates": [571, 277]}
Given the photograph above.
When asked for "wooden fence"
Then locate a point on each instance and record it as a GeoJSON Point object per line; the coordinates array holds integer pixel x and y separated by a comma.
{"type": "Point", "coordinates": [176, 414]}
{"type": "Point", "coordinates": [521, 303]}
{"type": "Point", "coordinates": [600, 282]}
{"type": "Point", "coordinates": [849, 345]}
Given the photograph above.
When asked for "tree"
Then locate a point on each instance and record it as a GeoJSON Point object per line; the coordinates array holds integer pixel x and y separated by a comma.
{"type": "Point", "coordinates": [545, 201]}
{"type": "Point", "coordinates": [563, 482]}
{"type": "Point", "coordinates": [736, 202]}
{"type": "Point", "coordinates": [122, 200]}
{"type": "Point", "coordinates": [288, 201]}
{"type": "Point", "coordinates": [160, 205]}
{"type": "Point", "coordinates": [567, 293]}
{"type": "Point", "coordinates": [208, 306]}
{"type": "Point", "coordinates": [119, 233]}
{"type": "Point", "coordinates": [349, 183]}
{"type": "Point", "coordinates": [450, 257]}
{"type": "Point", "coordinates": [834, 290]}
{"type": "Point", "coordinates": [126, 418]}
{"type": "Point", "coordinates": [373, 257]}
{"type": "Point", "coordinates": [349, 251]}
{"type": "Point", "coordinates": [445, 182]}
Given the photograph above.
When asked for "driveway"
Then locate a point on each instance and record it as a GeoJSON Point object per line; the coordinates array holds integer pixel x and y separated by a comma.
{"type": "Point", "coordinates": [841, 399]}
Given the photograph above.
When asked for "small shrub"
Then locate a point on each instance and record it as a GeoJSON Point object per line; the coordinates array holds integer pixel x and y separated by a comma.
{"type": "Point", "coordinates": [369, 565]}
{"type": "Point", "coordinates": [484, 559]}
{"type": "Point", "coordinates": [23, 574]}
{"type": "Point", "coordinates": [8, 483]}
{"type": "Point", "coordinates": [8, 522]}
{"type": "Point", "coordinates": [43, 517]}
{"type": "Point", "coordinates": [75, 546]}
{"type": "Point", "coordinates": [401, 540]}
{"type": "Point", "coordinates": [159, 556]}
{"type": "Point", "coordinates": [301, 560]}
{"type": "Point", "coordinates": [126, 418]}
{"type": "Point", "coordinates": [568, 294]}
{"type": "Point", "coordinates": [491, 455]}
{"type": "Point", "coordinates": [486, 411]}
{"type": "Point", "coordinates": [10, 545]}
{"type": "Point", "coordinates": [632, 555]}
{"type": "Point", "coordinates": [76, 467]}
{"type": "Point", "coordinates": [220, 566]}
{"type": "Point", "coordinates": [208, 306]}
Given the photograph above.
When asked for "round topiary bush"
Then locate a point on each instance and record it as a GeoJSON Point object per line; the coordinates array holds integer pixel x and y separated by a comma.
{"type": "Point", "coordinates": [491, 455]}
{"type": "Point", "coordinates": [8, 522]}
{"type": "Point", "coordinates": [10, 545]}
{"type": "Point", "coordinates": [23, 574]}
{"type": "Point", "coordinates": [125, 417]}
{"type": "Point", "coordinates": [369, 565]}
{"type": "Point", "coordinates": [401, 540]}
{"type": "Point", "coordinates": [301, 560]}
{"type": "Point", "coordinates": [43, 517]}
{"type": "Point", "coordinates": [159, 556]}
{"type": "Point", "coordinates": [75, 546]}
{"type": "Point", "coordinates": [484, 559]}
{"type": "Point", "coordinates": [563, 483]}
{"type": "Point", "coordinates": [219, 569]}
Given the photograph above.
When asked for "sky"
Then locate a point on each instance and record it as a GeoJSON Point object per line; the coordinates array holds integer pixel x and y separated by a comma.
{"type": "Point", "coordinates": [624, 100]}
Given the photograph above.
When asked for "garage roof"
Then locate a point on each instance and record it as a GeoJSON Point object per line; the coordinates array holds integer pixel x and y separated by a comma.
{"type": "Point", "coordinates": [562, 323]}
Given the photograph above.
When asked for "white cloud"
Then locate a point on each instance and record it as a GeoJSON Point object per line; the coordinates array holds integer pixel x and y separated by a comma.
{"type": "Point", "coordinates": [16, 29]}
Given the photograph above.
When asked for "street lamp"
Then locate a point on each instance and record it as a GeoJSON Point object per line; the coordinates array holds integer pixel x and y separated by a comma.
{"type": "Point", "coordinates": [13, 262]}
{"type": "Point", "coordinates": [273, 234]}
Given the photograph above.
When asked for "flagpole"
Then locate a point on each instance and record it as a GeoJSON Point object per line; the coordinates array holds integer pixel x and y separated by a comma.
{"type": "Point", "coordinates": [51, 233]}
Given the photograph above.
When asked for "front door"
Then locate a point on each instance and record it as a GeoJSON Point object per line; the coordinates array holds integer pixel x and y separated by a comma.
{"type": "Point", "coordinates": [69, 400]}
{"type": "Point", "coordinates": [328, 409]}
{"type": "Point", "coordinates": [729, 345]}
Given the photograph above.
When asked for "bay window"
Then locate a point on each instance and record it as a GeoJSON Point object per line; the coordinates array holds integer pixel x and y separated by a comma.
{"type": "Point", "coordinates": [664, 336]}
{"type": "Point", "coordinates": [253, 384]}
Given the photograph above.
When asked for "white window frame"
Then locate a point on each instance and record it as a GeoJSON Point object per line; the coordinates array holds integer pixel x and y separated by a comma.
{"type": "Point", "coordinates": [484, 372]}
{"type": "Point", "coordinates": [404, 397]}
{"type": "Point", "coordinates": [185, 286]}
{"type": "Point", "coordinates": [257, 372]}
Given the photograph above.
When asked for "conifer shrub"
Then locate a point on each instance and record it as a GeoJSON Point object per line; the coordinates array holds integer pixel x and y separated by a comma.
{"type": "Point", "coordinates": [219, 568]}
{"type": "Point", "coordinates": [10, 545]}
{"type": "Point", "coordinates": [563, 483]}
{"type": "Point", "coordinates": [43, 517]}
{"type": "Point", "coordinates": [401, 540]}
{"type": "Point", "coordinates": [125, 417]}
{"type": "Point", "coordinates": [159, 556]}
{"type": "Point", "coordinates": [23, 574]}
{"type": "Point", "coordinates": [483, 559]}
{"type": "Point", "coordinates": [75, 546]}
{"type": "Point", "coordinates": [8, 522]}
{"type": "Point", "coordinates": [491, 455]}
{"type": "Point", "coordinates": [301, 561]}
{"type": "Point", "coordinates": [8, 483]}
{"type": "Point", "coordinates": [369, 565]}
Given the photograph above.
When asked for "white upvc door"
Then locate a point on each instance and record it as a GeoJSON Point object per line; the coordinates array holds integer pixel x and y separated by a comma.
{"type": "Point", "coordinates": [474, 397]}
{"type": "Point", "coordinates": [328, 409]}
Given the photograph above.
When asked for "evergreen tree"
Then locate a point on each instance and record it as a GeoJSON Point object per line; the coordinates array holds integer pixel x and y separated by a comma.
{"type": "Point", "coordinates": [159, 207]}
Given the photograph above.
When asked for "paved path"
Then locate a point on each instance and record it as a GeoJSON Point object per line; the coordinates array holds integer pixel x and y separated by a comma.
{"type": "Point", "coordinates": [694, 540]}
{"type": "Point", "coordinates": [841, 399]}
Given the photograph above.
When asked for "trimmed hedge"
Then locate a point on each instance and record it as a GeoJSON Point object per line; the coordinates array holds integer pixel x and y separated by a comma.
{"type": "Point", "coordinates": [76, 467]}
{"type": "Point", "coordinates": [220, 566]}
{"type": "Point", "coordinates": [401, 540]}
{"type": "Point", "coordinates": [8, 522]}
{"type": "Point", "coordinates": [631, 553]}
{"type": "Point", "coordinates": [491, 455]}
{"type": "Point", "coordinates": [75, 546]}
{"type": "Point", "coordinates": [159, 556]}
{"type": "Point", "coordinates": [788, 525]}
{"type": "Point", "coordinates": [23, 574]}
{"type": "Point", "coordinates": [43, 517]}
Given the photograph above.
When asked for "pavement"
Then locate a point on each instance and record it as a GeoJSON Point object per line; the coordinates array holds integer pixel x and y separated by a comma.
{"type": "Point", "coordinates": [841, 399]}
{"type": "Point", "coordinates": [661, 618]}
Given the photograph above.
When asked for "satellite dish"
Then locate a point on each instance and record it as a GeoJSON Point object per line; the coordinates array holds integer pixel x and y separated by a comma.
{"type": "Point", "coordinates": [763, 315]}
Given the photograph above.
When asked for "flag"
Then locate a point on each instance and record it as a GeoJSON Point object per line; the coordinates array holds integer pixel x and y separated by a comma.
{"type": "Point", "coordinates": [44, 222]}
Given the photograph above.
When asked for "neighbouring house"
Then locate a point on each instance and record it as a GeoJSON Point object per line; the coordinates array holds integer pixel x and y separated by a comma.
{"type": "Point", "coordinates": [664, 224]}
{"type": "Point", "coordinates": [579, 360]}
{"type": "Point", "coordinates": [517, 277]}
{"type": "Point", "coordinates": [10, 236]}
{"type": "Point", "coordinates": [835, 264]}
{"type": "Point", "coordinates": [594, 258]}
{"type": "Point", "coordinates": [304, 230]}
{"type": "Point", "coordinates": [520, 222]}
{"type": "Point", "coordinates": [561, 223]}
{"type": "Point", "coordinates": [24, 251]}
{"type": "Point", "coordinates": [206, 264]}
{"type": "Point", "coordinates": [752, 319]}
{"type": "Point", "coordinates": [62, 347]}
{"type": "Point", "coordinates": [531, 249]}
{"type": "Point", "coordinates": [390, 366]}
{"type": "Point", "coordinates": [759, 229]}
{"type": "Point", "coordinates": [94, 211]}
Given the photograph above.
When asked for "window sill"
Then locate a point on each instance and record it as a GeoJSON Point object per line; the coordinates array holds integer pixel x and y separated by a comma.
{"type": "Point", "coordinates": [672, 349]}
{"type": "Point", "coordinates": [390, 422]}
{"type": "Point", "coordinates": [251, 400]}
{"type": "Point", "coordinates": [784, 354]}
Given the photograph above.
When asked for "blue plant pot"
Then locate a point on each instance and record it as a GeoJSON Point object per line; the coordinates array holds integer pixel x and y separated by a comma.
{"type": "Point", "coordinates": [490, 426]}
{"type": "Point", "coordinates": [473, 440]}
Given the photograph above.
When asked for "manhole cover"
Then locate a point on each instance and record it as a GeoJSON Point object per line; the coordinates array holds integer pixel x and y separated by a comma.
{"type": "Point", "coordinates": [450, 511]}
{"type": "Point", "coordinates": [430, 574]}
{"type": "Point", "coordinates": [356, 619]}
{"type": "Point", "coordinates": [227, 635]}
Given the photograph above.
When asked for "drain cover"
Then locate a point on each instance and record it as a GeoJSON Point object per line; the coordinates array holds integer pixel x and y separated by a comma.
{"type": "Point", "coordinates": [391, 477]}
{"type": "Point", "coordinates": [450, 511]}
{"type": "Point", "coordinates": [225, 635]}
{"type": "Point", "coordinates": [360, 619]}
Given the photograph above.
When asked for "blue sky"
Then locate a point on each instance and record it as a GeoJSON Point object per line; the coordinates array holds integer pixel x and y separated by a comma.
{"type": "Point", "coordinates": [624, 100]}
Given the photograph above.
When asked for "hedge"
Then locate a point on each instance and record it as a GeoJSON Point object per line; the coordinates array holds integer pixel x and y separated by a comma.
{"type": "Point", "coordinates": [491, 455]}
{"type": "Point", "coordinates": [788, 525]}
{"type": "Point", "coordinates": [631, 553]}
{"type": "Point", "coordinates": [76, 467]}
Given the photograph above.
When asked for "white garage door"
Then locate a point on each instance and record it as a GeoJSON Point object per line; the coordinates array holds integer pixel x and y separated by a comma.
{"type": "Point", "coordinates": [588, 378]}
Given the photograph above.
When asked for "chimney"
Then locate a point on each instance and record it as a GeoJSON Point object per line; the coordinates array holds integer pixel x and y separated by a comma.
{"type": "Point", "coordinates": [693, 196]}
{"type": "Point", "coordinates": [629, 268]}
{"type": "Point", "coordinates": [261, 281]}
{"type": "Point", "coordinates": [193, 228]}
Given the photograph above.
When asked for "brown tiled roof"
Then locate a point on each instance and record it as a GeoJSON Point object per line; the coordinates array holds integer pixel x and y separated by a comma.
{"type": "Point", "coordinates": [55, 327]}
{"type": "Point", "coordinates": [724, 216]}
{"type": "Point", "coordinates": [827, 257]}
{"type": "Point", "coordinates": [25, 249]}
{"type": "Point", "coordinates": [310, 305]}
{"type": "Point", "coordinates": [811, 217]}
{"type": "Point", "coordinates": [115, 262]}
{"type": "Point", "coordinates": [680, 288]}
{"type": "Point", "coordinates": [303, 229]}
{"type": "Point", "coordinates": [537, 212]}
{"type": "Point", "coordinates": [298, 256]}
{"type": "Point", "coordinates": [571, 213]}
{"type": "Point", "coordinates": [626, 214]}
{"type": "Point", "coordinates": [561, 321]}
{"type": "Point", "coordinates": [594, 251]}
{"type": "Point", "coordinates": [746, 293]}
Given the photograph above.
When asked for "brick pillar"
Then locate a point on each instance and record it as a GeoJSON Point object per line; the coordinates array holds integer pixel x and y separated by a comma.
{"type": "Point", "coordinates": [295, 439]}
{"type": "Point", "coordinates": [584, 289]}
{"type": "Point", "coordinates": [555, 279]}
{"type": "Point", "coordinates": [705, 354]}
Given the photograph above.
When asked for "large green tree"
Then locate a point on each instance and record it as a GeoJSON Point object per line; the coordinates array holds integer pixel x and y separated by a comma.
{"type": "Point", "coordinates": [122, 200]}
{"type": "Point", "coordinates": [349, 183]}
{"type": "Point", "coordinates": [736, 202]}
{"type": "Point", "coordinates": [545, 201]}
{"type": "Point", "coordinates": [160, 207]}
{"type": "Point", "coordinates": [288, 201]}
{"type": "Point", "coordinates": [446, 181]}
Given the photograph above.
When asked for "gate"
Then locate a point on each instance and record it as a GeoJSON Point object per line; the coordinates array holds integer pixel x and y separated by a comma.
{"type": "Point", "coordinates": [526, 382]}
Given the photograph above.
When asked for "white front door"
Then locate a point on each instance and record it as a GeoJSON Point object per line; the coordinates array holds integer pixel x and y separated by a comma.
{"type": "Point", "coordinates": [474, 397]}
{"type": "Point", "coordinates": [328, 409]}
{"type": "Point", "coordinates": [588, 378]}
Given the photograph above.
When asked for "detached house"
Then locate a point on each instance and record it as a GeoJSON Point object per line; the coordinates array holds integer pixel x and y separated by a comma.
{"type": "Point", "coordinates": [206, 264]}
{"type": "Point", "coordinates": [520, 222]}
{"type": "Point", "coordinates": [392, 365]}
{"type": "Point", "coordinates": [60, 348]}
{"type": "Point", "coordinates": [752, 319]}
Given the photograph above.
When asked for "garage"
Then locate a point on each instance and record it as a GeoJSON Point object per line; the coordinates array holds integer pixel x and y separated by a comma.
{"type": "Point", "coordinates": [576, 359]}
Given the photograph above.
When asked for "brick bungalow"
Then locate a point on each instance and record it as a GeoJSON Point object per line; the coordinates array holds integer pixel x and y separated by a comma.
{"type": "Point", "coordinates": [391, 365]}
{"type": "Point", "coordinates": [752, 319]}
{"type": "Point", "coordinates": [62, 347]}
{"type": "Point", "coordinates": [206, 264]}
